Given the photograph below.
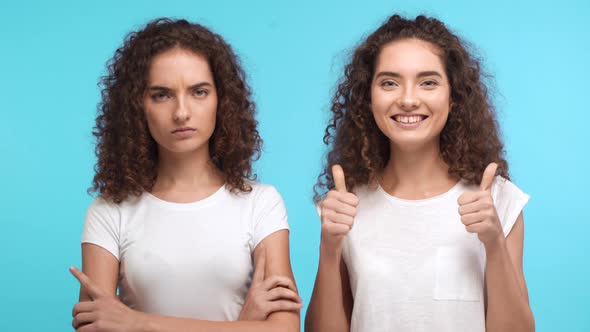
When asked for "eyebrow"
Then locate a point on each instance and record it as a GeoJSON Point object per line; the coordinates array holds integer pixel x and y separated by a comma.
{"type": "Point", "coordinates": [420, 74]}
{"type": "Point", "coordinates": [192, 87]}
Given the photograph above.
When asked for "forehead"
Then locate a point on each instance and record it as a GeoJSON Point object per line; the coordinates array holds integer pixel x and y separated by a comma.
{"type": "Point", "coordinates": [179, 64]}
{"type": "Point", "coordinates": [407, 56]}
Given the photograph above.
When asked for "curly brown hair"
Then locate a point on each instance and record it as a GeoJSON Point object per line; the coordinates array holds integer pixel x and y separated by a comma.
{"type": "Point", "coordinates": [470, 139]}
{"type": "Point", "coordinates": [126, 152]}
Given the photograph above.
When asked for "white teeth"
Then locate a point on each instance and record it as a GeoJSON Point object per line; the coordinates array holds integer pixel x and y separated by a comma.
{"type": "Point", "coordinates": [408, 119]}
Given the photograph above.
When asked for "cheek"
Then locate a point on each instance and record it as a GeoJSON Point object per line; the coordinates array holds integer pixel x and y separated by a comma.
{"type": "Point", "coordinates": [156, 116]}
{"type": "Point", "coordinates": [207, 115]}
{"type": "Point", "coordinates": [380, 102]}
{"type": "Point", "coordinates": [149, 119]}
{"type": "Point", "coordinates": [153, 126]}
{"type": "Point", "coordinates": [381, 119]}
{"type": "Point", "coordinates": [439, 104]}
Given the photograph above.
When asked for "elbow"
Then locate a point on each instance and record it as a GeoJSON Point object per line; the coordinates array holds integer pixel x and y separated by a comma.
{"type": "Point", "coordinates": [526, 324]}
{"type": "Point", "coordinates": [531, 323]}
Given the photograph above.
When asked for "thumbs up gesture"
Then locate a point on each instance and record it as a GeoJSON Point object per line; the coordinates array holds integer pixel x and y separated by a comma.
{"type": "Point", "coordinates": [104, 313]}
{"type": "Point", "coordinates": [338, 210]}
{"type": "Point", "coordinates": [477, 210]}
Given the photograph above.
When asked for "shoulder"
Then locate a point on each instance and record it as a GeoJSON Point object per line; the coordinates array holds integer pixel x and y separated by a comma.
{"type": "Point", "coordinates": [509, 201]}
{"type": "Point", "coordinates": [102, 206]}
{"type": "Point", "coordinates": [503, 188]}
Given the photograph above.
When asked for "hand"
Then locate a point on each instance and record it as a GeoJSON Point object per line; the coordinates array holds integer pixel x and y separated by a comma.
{"type": "Point", "coordinates": [477, 210]}
{"type": "Point", "coordinates": [104, 313]}
{"type": "Point", "coordinates": [338, 210]}
{"type": "Point", "coordinates": [265, 296]}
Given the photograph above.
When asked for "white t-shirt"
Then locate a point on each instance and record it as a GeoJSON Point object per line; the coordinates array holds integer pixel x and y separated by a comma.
{"type": "Point", "coordinates": [413, 266]}
{"type": "Point", "coordinates": [186, 259]}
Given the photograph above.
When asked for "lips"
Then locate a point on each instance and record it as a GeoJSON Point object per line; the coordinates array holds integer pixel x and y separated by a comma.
{"type": "Point", "coordinates": [183, 129]}
{"type": "Point", "coordinates": [183, 133]}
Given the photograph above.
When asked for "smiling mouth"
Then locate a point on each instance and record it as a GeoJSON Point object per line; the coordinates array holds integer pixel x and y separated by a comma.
{"type": "Point", "coordinates": [409, 119]}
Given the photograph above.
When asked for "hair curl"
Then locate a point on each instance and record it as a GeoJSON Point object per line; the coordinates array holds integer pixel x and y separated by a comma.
{"type": "Point", "coordinates": [470, 139]}
{"type": "Point", "coordinates": [126, 152]}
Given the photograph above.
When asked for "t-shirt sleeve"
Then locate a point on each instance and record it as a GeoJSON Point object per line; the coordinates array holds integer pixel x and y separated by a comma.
{"type": "Point", "coordinates": [509, 201]}
{"type": "Point", "coordinates": [270, 214]}
{"type": "Point", "coordinates": [101, 227]}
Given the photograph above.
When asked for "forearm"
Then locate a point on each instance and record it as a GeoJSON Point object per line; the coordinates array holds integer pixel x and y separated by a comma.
{"type": "Point", "coordinates": [325, 312]}
{"type": "Point", "coordinates": [507, 304]}
{"type": "Point", "coordinates": [284, 321]}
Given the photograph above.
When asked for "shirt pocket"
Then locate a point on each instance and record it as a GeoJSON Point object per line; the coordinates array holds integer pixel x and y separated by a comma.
{"type": "Point", "coordinates": [458, 274]}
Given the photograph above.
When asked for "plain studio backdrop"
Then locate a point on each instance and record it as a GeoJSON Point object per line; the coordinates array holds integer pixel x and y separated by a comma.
{"type": "Point", "coordinates": [53, 52]}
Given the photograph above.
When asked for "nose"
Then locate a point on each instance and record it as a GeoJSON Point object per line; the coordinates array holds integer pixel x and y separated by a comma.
{"type": "Point", "coordinates": [182, 112]}
{"type": "Point", "coordinates": [408, 99]}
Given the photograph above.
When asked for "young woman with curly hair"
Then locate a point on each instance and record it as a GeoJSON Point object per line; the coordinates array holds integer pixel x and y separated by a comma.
{"type": "Point", "coordinates": [437, 241]}
{"type": "Point", "coordinates": [179, 222]}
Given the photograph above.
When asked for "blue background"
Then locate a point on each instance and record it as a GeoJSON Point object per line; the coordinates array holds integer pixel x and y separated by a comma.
{"type": "Point", "coordinates": [52, 54]}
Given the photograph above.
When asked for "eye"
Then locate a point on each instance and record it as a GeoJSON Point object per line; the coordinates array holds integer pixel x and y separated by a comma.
{"type": "Point", "coordinates": [200, 93]}
{"type": "Point", "coordinates": [160, 96]}
{"type": "Point", "coordinates": [429, 83]}
{"type": "Point", "coordinates": [388, 84]}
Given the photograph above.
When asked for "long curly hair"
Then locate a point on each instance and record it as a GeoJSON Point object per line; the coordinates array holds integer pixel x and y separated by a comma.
{"type": "Point", "coordinates": [126, 152]}
{"type": "Point", "coordinates": [470, 139]}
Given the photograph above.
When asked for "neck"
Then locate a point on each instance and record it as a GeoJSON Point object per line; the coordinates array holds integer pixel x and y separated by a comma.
{"type": "Point", "coordinates": [187, 172]}
{"type": "Point", "coordinates": [416, 173]}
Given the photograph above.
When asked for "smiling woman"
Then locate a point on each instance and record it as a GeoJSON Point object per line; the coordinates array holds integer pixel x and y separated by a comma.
{"type": "Point", "coordinates": [179, 227]}
{"type": "Point", "coordinates": [425, 232]}
{"type": "Point", "coordinates": [410, 74]}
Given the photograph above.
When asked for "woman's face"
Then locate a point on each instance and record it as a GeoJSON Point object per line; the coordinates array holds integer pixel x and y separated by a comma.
{"type": "Point", "coordinates": [410, 93]}
{"type": "Point", "coordinates": [180, 101]}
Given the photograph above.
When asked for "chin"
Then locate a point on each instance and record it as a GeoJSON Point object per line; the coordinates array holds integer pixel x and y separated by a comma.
{"type": "Point", "coordinates": [185, 147]}
{"type": "Point", "coordinates": [411, 142]}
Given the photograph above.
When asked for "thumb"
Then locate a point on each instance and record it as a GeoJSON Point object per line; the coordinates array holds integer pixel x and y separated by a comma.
{"type": "Point", "coordinates": [94, 291]}
{"type": "Point", "coordinates": [258, 276]}
{"type": "Point", "coordinates": [488, 176]}
{"type": "Point", "coordinates": [338, 176]}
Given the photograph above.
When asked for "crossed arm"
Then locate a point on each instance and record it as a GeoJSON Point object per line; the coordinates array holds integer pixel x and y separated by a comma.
{"type": "Point", "coordinates": [99, 310]}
